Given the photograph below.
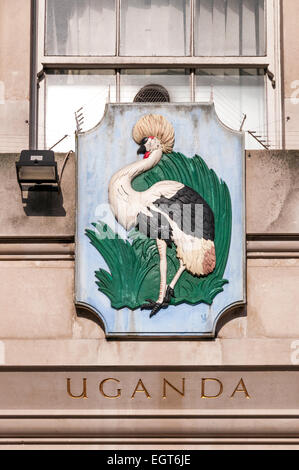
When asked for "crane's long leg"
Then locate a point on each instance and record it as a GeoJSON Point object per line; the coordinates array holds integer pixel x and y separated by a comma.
{"type": "Point", "coordinates": [178, 275]}
{"type": "Point", "coordinates": [162, 247]}
{"type": "Point", "coordinates": [170, 288]}
{"type": "Point", "coordinates": [152, 305]}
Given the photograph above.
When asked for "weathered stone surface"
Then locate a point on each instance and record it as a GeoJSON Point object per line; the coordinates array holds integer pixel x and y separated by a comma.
{"type": "Point", "coordinates": [73, 352]}
{"type": "Point", "coordinates": [160, 352]}
{"type": "Point", "coordinates": [2, 353]}
{"type": "Point", "coordinates": [272, 192]}
{"type": "Point", "coordinates": [87, 327]}
{"type": "Point", "coordinates": [54, 352]}
{"type": "Point", "coordinates": [233, 324]}
{"type": "Point", "coordinates": [103, 352]}
{"type": "Point", "coordinates": [257, 351]}
{"type": "Point", "coordinates": [14, 129]}
{"type": "Point", "coordinates": [14, 74]}
{"type": "Point", "coordinates": [292, 115]}
{"type": "Point", "coordinates": [44, 213]}
{"type": "Point", "coordinates": [36, 300]}
{"type": "Point", "coordinates": [273, 298]}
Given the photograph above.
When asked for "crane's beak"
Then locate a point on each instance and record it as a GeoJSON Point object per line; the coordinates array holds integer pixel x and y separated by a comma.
{"type": "Point", "coordinates": [141, 150]}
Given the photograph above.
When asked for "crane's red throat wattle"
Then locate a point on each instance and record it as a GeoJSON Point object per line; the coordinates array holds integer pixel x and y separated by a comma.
{"type": "Point", "coordinates": [147, 154]}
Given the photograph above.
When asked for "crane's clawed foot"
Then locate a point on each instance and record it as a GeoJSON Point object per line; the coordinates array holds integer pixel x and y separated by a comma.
{"type": "Point", "coordinates": [169, 293]}
{"type": "Point", "coordinates": [155, 307]}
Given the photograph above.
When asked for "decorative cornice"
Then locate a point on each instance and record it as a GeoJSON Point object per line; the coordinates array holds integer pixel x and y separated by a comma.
{"type": "Point", "coordinates": [63, 248]}
{"type": "Point", "coordinates": [273, 246]}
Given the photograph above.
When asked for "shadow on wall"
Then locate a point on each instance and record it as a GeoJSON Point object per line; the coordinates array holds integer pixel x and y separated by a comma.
{"type": "Point", "coordinates": [43, 201]}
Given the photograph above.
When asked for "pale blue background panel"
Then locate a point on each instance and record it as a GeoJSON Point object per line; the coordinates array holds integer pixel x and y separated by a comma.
{"type": "Point", "coordinates": [108, 147]}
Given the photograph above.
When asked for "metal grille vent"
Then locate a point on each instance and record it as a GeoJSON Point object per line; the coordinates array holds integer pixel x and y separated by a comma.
{"type": "Point", "coordinates": [152, 94]}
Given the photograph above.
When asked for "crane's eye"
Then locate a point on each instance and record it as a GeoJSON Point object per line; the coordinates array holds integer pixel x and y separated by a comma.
{"type": "Point", "coordinates": [144, 141]}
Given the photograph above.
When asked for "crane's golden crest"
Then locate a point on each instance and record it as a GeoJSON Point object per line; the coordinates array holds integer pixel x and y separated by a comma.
{"type": "Point", "coordinates": [157, 126]}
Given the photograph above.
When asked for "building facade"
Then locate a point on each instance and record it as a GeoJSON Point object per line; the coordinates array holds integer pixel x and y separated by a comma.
{"type": "Point", "coordinates": [60, 63]}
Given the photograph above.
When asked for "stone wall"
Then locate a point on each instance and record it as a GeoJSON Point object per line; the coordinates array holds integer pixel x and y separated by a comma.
{"type": "Point", "coordinates": [14, 74]}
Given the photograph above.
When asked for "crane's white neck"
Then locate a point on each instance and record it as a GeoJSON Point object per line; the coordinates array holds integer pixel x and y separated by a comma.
{"type": "Point", "coordinates": [124, 200]}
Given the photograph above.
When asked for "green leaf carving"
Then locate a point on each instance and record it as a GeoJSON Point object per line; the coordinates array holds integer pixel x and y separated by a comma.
{"type": "Point", "coordinates": [134, 267]}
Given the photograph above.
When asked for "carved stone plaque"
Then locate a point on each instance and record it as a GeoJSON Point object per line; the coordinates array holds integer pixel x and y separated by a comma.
{"type": "Point", "coordinates": [160, 220]}
{"type": "Point", "coordinates": [142, 403]}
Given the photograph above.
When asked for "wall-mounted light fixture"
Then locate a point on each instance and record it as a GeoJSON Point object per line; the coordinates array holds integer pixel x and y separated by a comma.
{"type": "Point", "coordinates": [37, 167]}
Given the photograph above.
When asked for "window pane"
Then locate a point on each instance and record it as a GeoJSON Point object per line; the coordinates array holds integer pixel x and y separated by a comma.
{"type": "Point", "coordinates": [229, 28]}
{"type": "Point", "coordinates": [235, 93]}
{"type": "Point", "coordinates": [68, 92]}
{"type": "Point", "coordinates": [176, 82]}
{"type": "Point", "coordinates": [155, 27]}
{"type": "Point", "coordinates": [80, 27]}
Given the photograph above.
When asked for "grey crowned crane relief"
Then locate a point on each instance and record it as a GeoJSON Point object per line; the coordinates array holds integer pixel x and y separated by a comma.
{"type": "Point", "coordinates": [169, 212]}
{"type": "Point", "coordinates": [160, 233]}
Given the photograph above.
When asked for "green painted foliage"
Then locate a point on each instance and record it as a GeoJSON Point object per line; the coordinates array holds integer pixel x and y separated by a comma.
{"type": "Point", "coordinates": [134, 267]}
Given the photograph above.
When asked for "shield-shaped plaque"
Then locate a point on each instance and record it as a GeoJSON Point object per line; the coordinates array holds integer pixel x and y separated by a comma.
{"type": "Point", "coordinates": [160, 242]}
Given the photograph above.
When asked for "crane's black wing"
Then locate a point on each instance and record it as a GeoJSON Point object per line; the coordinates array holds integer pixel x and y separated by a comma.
{"type": "Point", "coordinates": [154, 226]}
{"type": "Point", "coordinates": [187, 209]}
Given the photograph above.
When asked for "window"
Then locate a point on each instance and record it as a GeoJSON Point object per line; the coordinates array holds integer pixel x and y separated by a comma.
{"type": "Point", "coordinates": [238, 94]}
{"type": "Point", "coordinates": [95, 50]}
{"type": "Point", "coordinates": [230, 28]}
{"type": "Point", "coordinates": [80, 27]}
{"type": "Point", "coordinates": [68, 91]}
{"type": "Point", "coordinates": [155, 28]}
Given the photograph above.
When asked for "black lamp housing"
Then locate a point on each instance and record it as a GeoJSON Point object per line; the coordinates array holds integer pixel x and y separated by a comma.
{"type": "Point", "coordinates": [37, 167]}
